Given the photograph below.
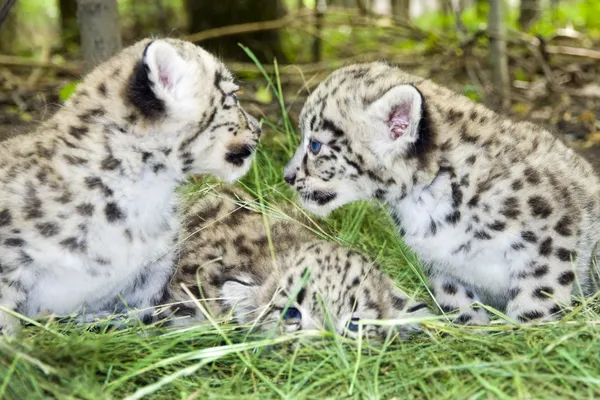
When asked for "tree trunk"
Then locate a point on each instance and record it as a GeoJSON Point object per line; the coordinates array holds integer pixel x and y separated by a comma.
{"type": "Point", "coordinates": [68, 23]}
{"type": "Point", "coordinates": [529, 13]}
{"type": "Point", "coordinates": [321, 7]}
{"type": "Point", "coordinates": [9, 28]}
{"type": "Point", "coordinates": [498, 57]}
{"type": "Point", "coordinates": [401, 9]}
{"type": "Point", "coordinates": [99, 28]}
{"type": "Point", "coordinates": [266, 45]}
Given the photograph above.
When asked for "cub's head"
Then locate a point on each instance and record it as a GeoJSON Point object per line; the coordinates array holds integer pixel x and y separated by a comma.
{"type": "Point", "coordinates": [175, 104]}
{"type": "Point", "coordinates": [324, 286]}
{"type": "Point", "coordinates": [358, 123]}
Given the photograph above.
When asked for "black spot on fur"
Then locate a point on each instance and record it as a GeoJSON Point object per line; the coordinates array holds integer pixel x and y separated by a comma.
{"type": "Point", "coordinates": [85, 209]}
{"type": "Point", "coordinates": [529, 236]}
{"type": "Point", "coordinates": [566, 278]}
{"type": "Point", "coordinates": [5, 218]}
{"type": "Point", "coordinates": [93, 182]}
{"type": "Point", "coordinates": [463, 319]}
{"type": "Point", "coordinates": [158, 167]}
{"type": "Point", "coordinates": [33, 205]}
{"type": "Point", "coordinates": [14, 242]}
{"type": "Point", "coordinates": [513, 293]}
{"type": "Point", "coordinates": [110, 163]}
{"type": "Point", "coordinates": [543, 292]}
{"type": "Point", "coordinates": [457, 195]}
{"type": "Point", "coordinates": [72, 244]}
{"type": "Point", "coordinates": [329, 125]}
{"type": "Point", "coordinates": [113, 212]}
{"type": "Point", "coordinates": [78, 131]}
{"type": "Point", "coordinates": [450, 288]}
{"type": "Point", "coordinates": [140, 91]}
{"type": "Point", "coordinates": [497, 226]}
{"type": "Point", "coordinates": [47, 229]}
{"type": "Point", "coordinates": [539, 207]}
{"type": "Point", "coordinates": [510, 208]}
{"type": "Point", "coordinates": [398, 303]}
{"type": "Point", "coordinates": [517, 185]}
{"type": "Point", "coordinates": [563, 226]}
{"type": "Point", "coordinates": [301, 295]}
{"type": "Point", "coordinates": [530, 315]}
{"type": "Point", "coordinates": [416, 307]}
{"type": "Point", "coordinates": [474, 201]}
{"type": "Point", "coordinates": [532, 176]}
{"type": "Point", "coordinates": [565, 255]}
{"type": "Point", "coordinates": [453, 218]}
{"type": "Point", "coordinates": [483, 235]}
{"type": "Point", "coordinates": [74, 160]}
{"type": "Point", "coordinates": [541, 271]}
{"type": "Point", "coordinates": [517, 246]}
{"type": "Point", "coordinates": [432, 227]}
{"type": "Point", "coordinates": [546, 247]}
{"type": "Point", "coordinates": [102, 89]}
{"type": "Point", "coordinates": [321, 197]}
{"type": "Point", "coordinates": [471, 159]}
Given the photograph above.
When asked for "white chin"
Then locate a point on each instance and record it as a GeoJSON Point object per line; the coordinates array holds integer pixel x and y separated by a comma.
{"type": "Point", "coordinates": [236, 174]}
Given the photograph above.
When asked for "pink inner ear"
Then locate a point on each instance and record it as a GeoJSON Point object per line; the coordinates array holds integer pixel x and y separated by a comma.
{"type": "Point", "coordinates": [399, 120]}
{"type": "Point", "coordinates": [163, 76]}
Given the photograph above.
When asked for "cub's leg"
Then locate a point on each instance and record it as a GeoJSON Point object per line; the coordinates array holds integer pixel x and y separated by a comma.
{"type": "Point", "coordinates": [538, 293]}
{"type": "Point", "coordinates": [452, 295]}
{"type": "Point", "coordinates": [144, 294]}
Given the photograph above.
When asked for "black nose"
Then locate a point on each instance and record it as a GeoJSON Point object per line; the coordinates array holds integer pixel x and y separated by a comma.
{"type": "Point", "coordinates": [236, 156]}
{"type": "Point", "coordinates": [290, 179]}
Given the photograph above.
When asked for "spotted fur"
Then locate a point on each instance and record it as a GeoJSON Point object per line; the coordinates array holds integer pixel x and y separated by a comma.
{"type": "Point", "coordinates": [500, 212]}
{"type": "Point", "coordinates": [227, 263]}
{"type": "Point", "coordinates": [87, 203]}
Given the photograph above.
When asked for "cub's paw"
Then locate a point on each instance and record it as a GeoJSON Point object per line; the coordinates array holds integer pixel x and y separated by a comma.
{"type": "Point", "coordinates": [413, 313]}
{"type": "Point", "coordinates": [470, 316]}
{"type": "Point", "coordinates": [9, 325]}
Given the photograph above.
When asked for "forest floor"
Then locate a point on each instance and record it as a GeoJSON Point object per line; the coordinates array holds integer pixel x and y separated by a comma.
{"type": "Point", "coordinates": [550, 360]}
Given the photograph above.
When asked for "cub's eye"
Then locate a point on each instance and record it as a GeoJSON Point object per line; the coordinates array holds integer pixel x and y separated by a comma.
{"type": "Point", "coordinates": [292, 313]}
{"type": "Point", "coordinates": [353, 324]}
{"type": "Point", "coordinates": [235, 98]}
{"type": "Point", "coordinates": [315, 146]}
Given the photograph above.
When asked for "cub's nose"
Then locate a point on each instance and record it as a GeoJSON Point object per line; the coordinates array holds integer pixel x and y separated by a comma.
{"type": "Point", "coordinates": [237, 155]}
{"type": "Point", "coordinates": [290, 179]}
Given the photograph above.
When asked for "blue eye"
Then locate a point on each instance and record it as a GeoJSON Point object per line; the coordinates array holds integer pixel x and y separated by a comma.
{"type": "Point", "coordinates": [235, 98]}
{"type": "Point", "coordinates": [353, 325]}
{"type": "Point", "coordinates": [315, 146]}
{"type": "Point", "coordinates": [292, 313]}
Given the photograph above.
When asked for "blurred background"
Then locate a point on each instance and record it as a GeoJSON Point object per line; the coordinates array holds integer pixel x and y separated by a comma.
{"type": "Point", "coordinates": [536, 60]}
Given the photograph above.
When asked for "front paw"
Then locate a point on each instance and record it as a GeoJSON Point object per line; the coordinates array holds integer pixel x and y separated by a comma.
{"type": "Point", "coordinates": [9, 325]}
{"type": "Point", "coordinates": [470, 316]}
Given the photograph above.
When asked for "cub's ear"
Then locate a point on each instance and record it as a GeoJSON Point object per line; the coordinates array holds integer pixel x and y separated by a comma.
{"type": "Point", "coordinates": [158, 79]}
{"type": "Point", "coordinates": [400, 110]}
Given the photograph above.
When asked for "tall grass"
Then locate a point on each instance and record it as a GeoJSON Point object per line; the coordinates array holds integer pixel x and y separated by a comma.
{"type": "Point", "coordinates": [219, 360]}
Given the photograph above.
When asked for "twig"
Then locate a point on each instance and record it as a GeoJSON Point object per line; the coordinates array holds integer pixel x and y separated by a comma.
{"type": "Point", "coordinates": [248, 27]}
{"type": "Point", "coordinates": [6, 9]}
{"type": "Point", "coordinates": [14, 61]}
{"type": "Point", "coordinates": [574, 51]}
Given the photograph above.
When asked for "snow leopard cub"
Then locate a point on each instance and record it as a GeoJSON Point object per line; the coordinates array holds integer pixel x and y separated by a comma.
{"type": "Point", "coordinates": [87, 203]}
{"type": "Point", "coordinates": [226, 250]}
{"type": "Point", "coordinates": [499, 212]}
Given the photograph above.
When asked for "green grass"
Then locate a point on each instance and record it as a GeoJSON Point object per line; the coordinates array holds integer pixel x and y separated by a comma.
{"type": "Point", "coordinates": [552, 360]}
